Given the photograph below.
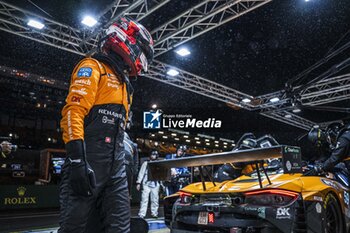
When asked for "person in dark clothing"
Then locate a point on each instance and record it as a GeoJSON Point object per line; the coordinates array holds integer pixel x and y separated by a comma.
{"type": "Point", "coordinates": [321, 146]}
{"type": "Point", "coordinates": [230, 171]}
{"type": "Point", "coordinates": [337, 135]}
{"type": "Point", "coordinates": [180, 176]}
{"type": "Point", "coordinates": [94, 224]}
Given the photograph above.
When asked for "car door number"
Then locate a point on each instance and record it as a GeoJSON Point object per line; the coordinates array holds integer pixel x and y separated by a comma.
{"type": "Point", "coordinates": [203, 218]}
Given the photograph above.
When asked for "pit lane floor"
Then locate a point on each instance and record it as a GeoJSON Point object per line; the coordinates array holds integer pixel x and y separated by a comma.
{"type": "Point", "coordinates": [46, 221]}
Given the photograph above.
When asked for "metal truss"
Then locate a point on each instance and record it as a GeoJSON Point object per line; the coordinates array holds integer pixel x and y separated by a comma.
{"type": "Point", "coordinates": [326, 91]}
{"type": "Point", "coordinates": [198, 20]}
{"type": "Point", "coordinates": [14, 20]}
{"type": "Point", "coordinates": [137, 9]}
{"type": "Point", "coordinates": [197, 84]}
{"type": "Point", "coordinates": [146, 8]}
{"type": "Point", "coordinates": [290, 119]}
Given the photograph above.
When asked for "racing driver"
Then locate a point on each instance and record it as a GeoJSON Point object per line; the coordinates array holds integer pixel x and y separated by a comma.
{"type": "Point", "coordinates": [93, 122]}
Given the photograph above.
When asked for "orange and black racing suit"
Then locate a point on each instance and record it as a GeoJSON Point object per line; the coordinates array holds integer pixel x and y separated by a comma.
{"type": "Point", "coordinates": [94, 117]}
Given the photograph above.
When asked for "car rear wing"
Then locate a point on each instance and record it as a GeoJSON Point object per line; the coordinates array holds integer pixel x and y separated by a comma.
{"type": "Point", "coordinates": [291, 160]}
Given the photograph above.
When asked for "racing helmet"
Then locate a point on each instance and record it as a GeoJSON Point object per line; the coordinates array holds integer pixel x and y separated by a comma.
{"type": "Point", "coordinates": [317, 136]}
{"type": "Point", "coordinates": [183, 148]}
{"type": "Point", "coordinates": [247, 141]}
{"type": "Point", "coordinates": [131, 41]}
{"type": "Point", "coordinates": [332, 132]}
{"type": "Point", "coordinates": [154, 153]}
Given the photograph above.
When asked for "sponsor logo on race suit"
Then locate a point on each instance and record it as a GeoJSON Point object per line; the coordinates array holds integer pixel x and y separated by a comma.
{"type": "Point", "coordinates": [75, 99]}
{"type": "Point", "coordinates": [113, 85]}
{"type": "Point", "coordinates": [86, 82]}
{"type": "Point", "coordinates": [82, 91]}
{"type": "Point", "coordinates": [84, 72]}
{"type": "Point", "coordinates": [106, 120]}
{"type": "Point", "coordinates": [110, 113]}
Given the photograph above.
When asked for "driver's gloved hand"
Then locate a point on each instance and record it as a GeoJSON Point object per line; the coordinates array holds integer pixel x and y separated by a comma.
{"type": "Point", "coordinates": [319, 168]}
{"type": "Point", "coordinates": [81, 176]}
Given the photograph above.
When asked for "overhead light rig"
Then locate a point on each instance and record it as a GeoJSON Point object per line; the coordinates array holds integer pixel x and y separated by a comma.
{"type": "Point", "coordinates": [196, 21]}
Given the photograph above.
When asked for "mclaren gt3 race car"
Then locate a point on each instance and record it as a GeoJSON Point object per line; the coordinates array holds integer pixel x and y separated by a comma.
{"type": "Point", "coordinates": [284, 199]}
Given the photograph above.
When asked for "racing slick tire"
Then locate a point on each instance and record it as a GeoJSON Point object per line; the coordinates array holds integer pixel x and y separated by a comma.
{"type": "Point", "coordinates": [334, 222]}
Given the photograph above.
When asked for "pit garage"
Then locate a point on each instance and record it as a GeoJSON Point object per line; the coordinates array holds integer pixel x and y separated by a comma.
{"type": "Point", "coordinates": [175, 116]}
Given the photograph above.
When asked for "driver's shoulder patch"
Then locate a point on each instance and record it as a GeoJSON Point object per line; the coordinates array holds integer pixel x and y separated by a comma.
{"type": "Point", "coordinates": [85, 72]}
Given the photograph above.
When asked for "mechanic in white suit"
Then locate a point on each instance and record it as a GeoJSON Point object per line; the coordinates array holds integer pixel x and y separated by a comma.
{"type": "Point", "coordinates": [149, 188]}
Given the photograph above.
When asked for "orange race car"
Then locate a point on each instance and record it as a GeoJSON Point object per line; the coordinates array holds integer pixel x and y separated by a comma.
{"type": "Point", "coordinates": [283, 199]}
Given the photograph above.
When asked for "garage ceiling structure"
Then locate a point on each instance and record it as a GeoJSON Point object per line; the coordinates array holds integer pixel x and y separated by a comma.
{"type": "Point", "coordinates": [326, 88]}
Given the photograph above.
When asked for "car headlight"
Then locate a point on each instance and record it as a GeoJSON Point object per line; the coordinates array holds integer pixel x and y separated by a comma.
{"type": "Point", "coordinates": [270, 197]}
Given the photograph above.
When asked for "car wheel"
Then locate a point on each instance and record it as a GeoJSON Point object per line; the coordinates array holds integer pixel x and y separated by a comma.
{"type": "Point", "coordinates": [333, 215]}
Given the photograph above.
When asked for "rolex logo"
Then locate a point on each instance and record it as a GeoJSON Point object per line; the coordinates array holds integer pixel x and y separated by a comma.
{"type": "Point", "coordinates": [21, 191]}
{"type": "Point", "coordinates": [20, 199]}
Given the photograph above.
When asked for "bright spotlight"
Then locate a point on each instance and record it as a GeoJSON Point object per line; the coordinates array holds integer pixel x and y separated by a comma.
{"type": "Point", "coordinates": [274, 100]}
{"type": "Point", "coordinates": [89, 21]}
{"type": "Point", "coordinates": [296, 110]}
{"type": "Point", "coordinates": [154, 106]}
{"type": "Point", "coordinates": [35, 24]}
{"type": "Point", "coordinates": [183, 52]}
{"type": "Point", "coordinates": [246, 100]}
{"type": "Point", "coordinates": [172, 72]}
{"type": "Point", "coordinates": [288, 116]}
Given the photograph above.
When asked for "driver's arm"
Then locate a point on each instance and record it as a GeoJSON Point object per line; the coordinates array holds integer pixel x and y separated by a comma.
{"type": "Point", "coordinates": [340, 153]}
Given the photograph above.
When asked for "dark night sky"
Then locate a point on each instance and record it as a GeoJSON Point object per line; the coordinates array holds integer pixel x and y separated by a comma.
{"type": "Point", "coordinates": [256, 53]}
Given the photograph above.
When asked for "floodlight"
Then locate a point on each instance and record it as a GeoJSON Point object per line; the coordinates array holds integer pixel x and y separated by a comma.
{"type": "Point", "coordinates": [89, 21]}
{"type": "Point", "coordinates": [183, 52]}
{"type": "Point", "coordinates": [35, 24]}
{"type": "Point", "coordinates": [246, 100]}
{"type": "Point", "coordinates": [274, 100]}
{"type": "Point", "coordinates": [296, 110]}
{"type": "Point", "coordinates": [172, 72]}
